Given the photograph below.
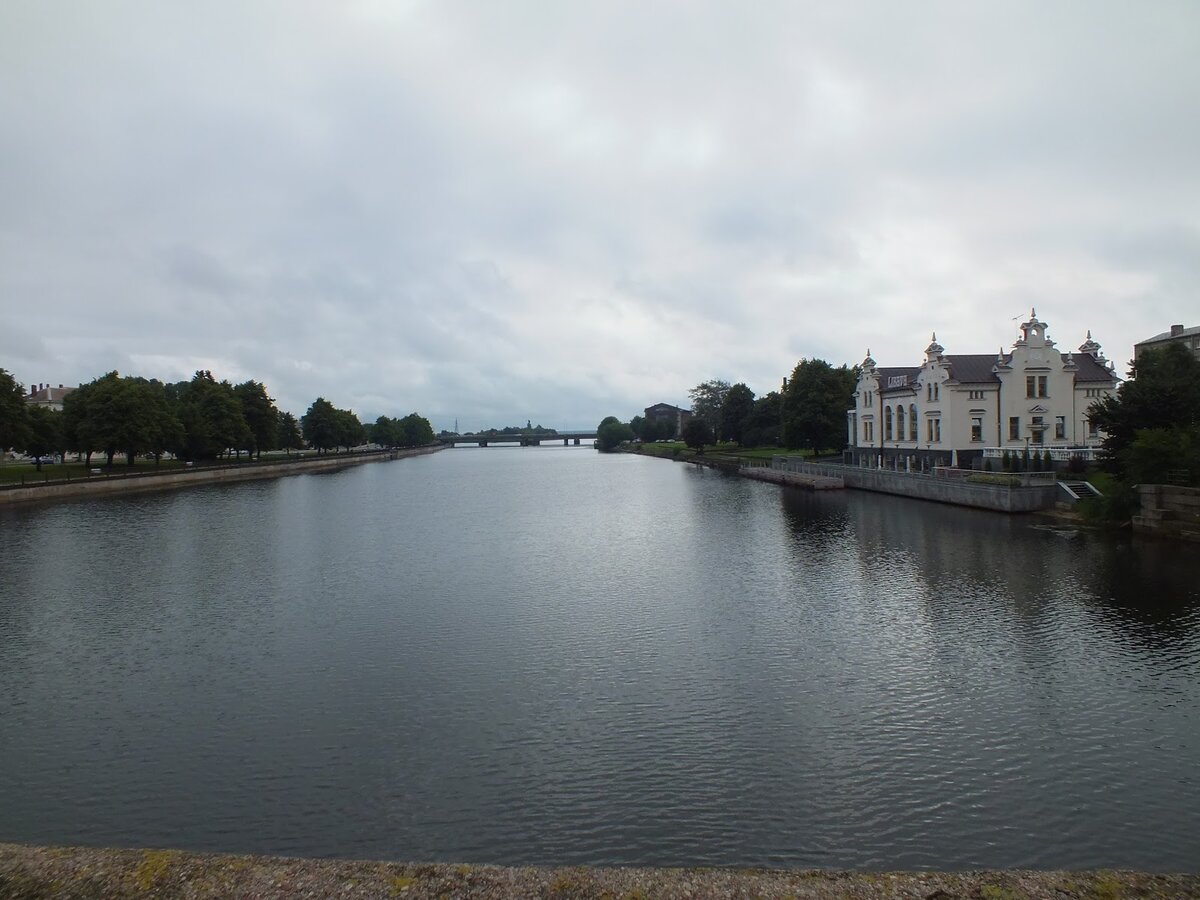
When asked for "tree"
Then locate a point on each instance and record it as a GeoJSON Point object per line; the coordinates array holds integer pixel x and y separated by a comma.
{"type": "Point", "coordinates": [612, 432]}
{"type": "Point", "coordinates": [211, 416]}
{"type": "Point", "coordinates": [815, 403]}
{"type": "Point", "coordinates": [415, 431]}
{"type": "Point", "coordinates": [290, 437]}
{"type": "Point", "coordinates": [350, 432]}
{"type": "Point", "coordinates": [1162, 394]}
{"type": "Point", "coordinates": [735, 411]}
{"type": "Point", "coordinates": [707, 399]}
{"type": "Point", "coordinates": [260, 414]}
{"type": "Point", "coordinates": [696, 434]}
{"type": "Point", "coordinates": [14, 413]}
{"type": "Point", "coordinates": [45, 433]}
{"type": "Point", "coordinates": [319, 425]}
{"type": "Point", "coordinates": [762, 426]}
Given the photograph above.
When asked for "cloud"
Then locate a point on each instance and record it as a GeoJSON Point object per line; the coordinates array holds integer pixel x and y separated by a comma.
{"type": "Point", "coordinates": [501, 212]}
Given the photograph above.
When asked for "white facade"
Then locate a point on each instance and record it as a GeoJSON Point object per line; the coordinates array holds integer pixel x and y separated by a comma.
{"type": "Point", "coordinates": [954, 410]}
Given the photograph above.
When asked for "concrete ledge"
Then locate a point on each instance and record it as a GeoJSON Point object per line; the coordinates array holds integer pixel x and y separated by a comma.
{"type": "Point", "coordinates": [180, 478]}
{"type": "Point", "coordinates": [926, 487]}
{"type": "Point", "coordinates": [32, 873]}
{"type": "Point", "coordinates": [793, 479]}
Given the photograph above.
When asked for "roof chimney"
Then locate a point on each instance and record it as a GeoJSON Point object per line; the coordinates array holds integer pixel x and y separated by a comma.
{"type": "Point", "coordinates": [1176, 330]}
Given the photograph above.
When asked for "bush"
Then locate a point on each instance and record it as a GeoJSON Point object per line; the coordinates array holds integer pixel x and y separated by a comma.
{"type": "Point", "coordinates": [988, 478]}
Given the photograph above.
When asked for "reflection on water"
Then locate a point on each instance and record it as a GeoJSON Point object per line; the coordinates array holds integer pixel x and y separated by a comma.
{"type": "Point", "coordinates": [549, 655]}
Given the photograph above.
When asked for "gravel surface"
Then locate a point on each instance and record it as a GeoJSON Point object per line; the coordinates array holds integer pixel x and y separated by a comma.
{"type": "Point", "coordinates": [77, 872]}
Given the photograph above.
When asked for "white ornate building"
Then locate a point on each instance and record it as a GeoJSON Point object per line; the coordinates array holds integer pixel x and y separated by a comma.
{"type": "Point", "coordinates": [956, 410]}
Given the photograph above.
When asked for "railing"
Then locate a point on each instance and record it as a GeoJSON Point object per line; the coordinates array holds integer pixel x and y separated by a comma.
{"type": "Point", "coordinates": [1058, 454]}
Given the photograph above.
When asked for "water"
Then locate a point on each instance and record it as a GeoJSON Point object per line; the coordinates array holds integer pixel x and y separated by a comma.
{"type": "Point", "coordinates": [554, 656]}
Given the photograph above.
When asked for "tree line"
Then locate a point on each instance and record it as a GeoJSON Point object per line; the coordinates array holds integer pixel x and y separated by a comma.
{"type": "Point", "coordinates": [807, 412]}
{"type": "Point", "coordinates": [197, 420]}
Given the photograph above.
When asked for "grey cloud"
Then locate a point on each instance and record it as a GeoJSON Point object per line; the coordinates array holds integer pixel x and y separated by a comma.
{"type": "Point", "coordinates": [498, 212]}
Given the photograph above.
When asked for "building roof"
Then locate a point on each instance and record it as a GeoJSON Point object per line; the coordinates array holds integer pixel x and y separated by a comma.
{"type": "Point", "coordinates": [978, 368]}
{"type": "Point", "coordinates": [896, 378]}
{"type": "Point", "coordinates": [972, 368]}
{"type": "Point", "coordinates": [1167, 336]}
{"type": "Point", "coordinates": [1090, 370]}
{"type": "Point", "coordinates": [49, 394]}
{"type": "Point", "coordinates": [665, 407]}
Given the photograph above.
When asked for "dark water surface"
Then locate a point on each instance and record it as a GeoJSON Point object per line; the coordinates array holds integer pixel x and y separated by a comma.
{"type": "Point", "coordinates": [552, 656]}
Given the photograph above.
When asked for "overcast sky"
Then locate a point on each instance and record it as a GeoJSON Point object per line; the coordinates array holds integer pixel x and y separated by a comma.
{"type": "Point", "coordinates": [501, 211]}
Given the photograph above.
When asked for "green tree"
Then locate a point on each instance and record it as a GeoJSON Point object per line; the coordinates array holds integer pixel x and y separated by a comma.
{"type": "Point", "coordinates": [385, 432]}
{"type": "Point", "coordinates": [45, 433]}
{"type": "Point", "coordinates": [145, 422]}
{"type": "Point", "coordinates": [211, 416]}
{"type": "Point", "coordinates": [320, 425]}
{"type": "Point", "coordinates": [611, 433]}
{"type": "Point", "coordinates": [735, 411]}
{"type": "Point", "coordinates": [262, 418]}
{"type": "Point", "coordinates": [762, 426]}
{"type": "Point", "coordinates": [815, 403]}
{"type": "Point", "coordinates": [707, 399]}
{"type": "Point", "coordinates": [350, 432]}
{"type": "Point", "coordinates": [14, 413]}
{"type": "Point", "coordinates": [696, 434]}
{"type": "Point", "coordinates": [415, 431]}
{"type": "Point", "coordinates": [1162, 394]}
{"type": "Point", "coordinates": [290, 437]}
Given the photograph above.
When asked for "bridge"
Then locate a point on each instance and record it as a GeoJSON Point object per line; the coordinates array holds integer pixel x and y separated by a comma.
{"type": "Point", "coordinates": [523, 440]}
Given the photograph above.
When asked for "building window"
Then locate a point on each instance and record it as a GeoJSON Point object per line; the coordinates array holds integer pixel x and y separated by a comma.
{"type": "Point", "coordinates": [868, 432]}
{"type": "Point", "coordinates": [933, 430]}
{"type": "Point", "coordinates": [1042, 386]}
{"type": "Point", "coordinates": [936, 389]}
{"type": "Point", "coordinates": [1014, 428]}
{"type": "Point", "coordinates": [977, 429]}
{"type": "Point", "coordinates": [912, 422]}
{"type": "Point", "coordinates": [899, 423]}
{"type": "Point", "coordinates": [1060, 428]}
{"type": "Point", "coordinates": [975, 395]}
{"type": "Point", "coordinates": [887, 424]}
{"type": "Point", "coordinates": [1093, 429]}
{"type": "Point", "coordinates": [1030, 386]}
{"type": "Point", "coordinates": [929, 393]}
{"type": "Point", "coordinates": [1038, 427]}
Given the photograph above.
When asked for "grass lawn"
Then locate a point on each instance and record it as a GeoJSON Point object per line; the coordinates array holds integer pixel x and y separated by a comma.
{"type": "Point", "coordinates": [27, 473]}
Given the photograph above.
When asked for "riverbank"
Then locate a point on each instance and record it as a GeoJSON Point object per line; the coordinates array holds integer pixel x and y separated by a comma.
{"type": "Point", "coordinates": [31, 873]}
{"type": "Point", "coordinates": [120, 483]}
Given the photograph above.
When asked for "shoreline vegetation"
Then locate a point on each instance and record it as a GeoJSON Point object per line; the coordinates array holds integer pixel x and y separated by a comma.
{"type": "Point", "coordinates": [75, 873]}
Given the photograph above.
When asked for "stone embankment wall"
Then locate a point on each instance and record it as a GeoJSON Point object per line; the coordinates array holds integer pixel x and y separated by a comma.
{"type": "Point", "coordinates": [793, 479]}
{"type": "Point", "coordinates": [927, 487]}
{"type": "Point", "coordinates": [1169, 511]}
{"type": "Point", "coordinates": [180, 478]}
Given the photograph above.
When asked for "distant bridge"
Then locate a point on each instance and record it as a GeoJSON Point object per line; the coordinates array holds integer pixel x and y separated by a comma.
{"type": "Point", "coordinates": [523, 440]}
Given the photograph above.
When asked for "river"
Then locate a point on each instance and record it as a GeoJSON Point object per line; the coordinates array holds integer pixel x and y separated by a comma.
{"type": "Point", "coordinates": [549, 655]}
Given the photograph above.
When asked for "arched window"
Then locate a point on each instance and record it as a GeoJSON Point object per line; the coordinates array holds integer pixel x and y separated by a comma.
{"type": "Point", "coordinates": [912, 422]}
{"type": "Point", "coordinates": [899, 423]}
{"type": "Point", "coordinates": [887, 424]}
